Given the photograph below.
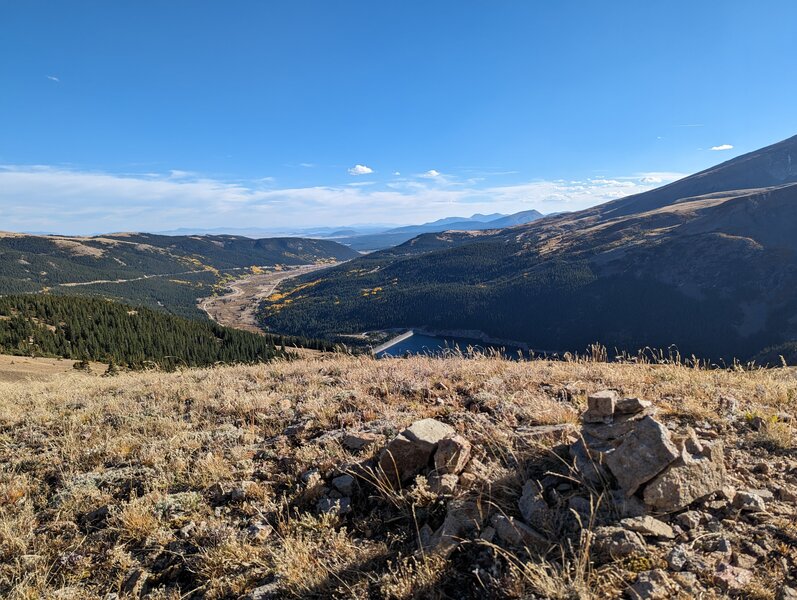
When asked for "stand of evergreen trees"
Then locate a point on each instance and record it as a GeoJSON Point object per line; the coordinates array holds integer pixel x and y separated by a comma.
{"type": "Point", "coordinates": [90, 328]}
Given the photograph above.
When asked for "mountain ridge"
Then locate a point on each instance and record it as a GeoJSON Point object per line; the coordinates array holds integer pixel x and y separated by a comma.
{"type": "Point", "coordinates": [711, 270]}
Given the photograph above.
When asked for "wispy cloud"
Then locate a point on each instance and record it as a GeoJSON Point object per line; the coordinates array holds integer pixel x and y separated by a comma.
{"type": "Point", "coordinates": [722, 147]}
{"type": "Point", "coordinates": [47, 198]}
{"type": "Point", "coordinates": [360, 170]}
{"type": "Point", "coordinates": [53, 78]}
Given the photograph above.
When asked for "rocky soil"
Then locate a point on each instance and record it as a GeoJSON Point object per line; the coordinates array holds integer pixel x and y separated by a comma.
{"type": "Point", "coordinates": [417, 478]}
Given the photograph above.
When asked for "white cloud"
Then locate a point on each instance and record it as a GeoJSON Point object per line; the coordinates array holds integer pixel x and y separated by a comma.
{"type": "Point", "coordinates": [722, 147]}
{"type": "Point", "coordinates": [430, 174]}
{"type": "Point", "coordinates": [360, 170]}
{"type": "Point", "coordinates": [53, 78]}
{"type": "Point", "coordinates": [46, 198]}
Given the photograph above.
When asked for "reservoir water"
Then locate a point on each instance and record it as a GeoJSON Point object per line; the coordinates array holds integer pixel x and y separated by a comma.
{"type": "Point", "coordinates": [434, 345]}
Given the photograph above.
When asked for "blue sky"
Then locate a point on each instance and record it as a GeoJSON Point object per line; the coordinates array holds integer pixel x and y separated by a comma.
{"type": "Point", "coordinates": [153, 115]}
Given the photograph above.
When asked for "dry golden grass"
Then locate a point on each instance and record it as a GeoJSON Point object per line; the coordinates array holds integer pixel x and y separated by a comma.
{"type": "Point", "coordinates": [150, 446]}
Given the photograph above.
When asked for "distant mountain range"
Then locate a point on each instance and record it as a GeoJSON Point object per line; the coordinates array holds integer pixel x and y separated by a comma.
{"type": "Point", "coordinates": [708, 263]}
{"type": "Point", "coordinates": [373, 236]}
{"type": "Point", "coordinates": [399, 235]}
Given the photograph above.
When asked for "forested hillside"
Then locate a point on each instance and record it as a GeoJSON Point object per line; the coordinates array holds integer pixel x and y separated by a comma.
{"type": "Point", "coordinates": [713, 273]}
{"type": "Point", "coordinates": [97, 329]}
{"type": "Point", "coordinates": [162, 272]}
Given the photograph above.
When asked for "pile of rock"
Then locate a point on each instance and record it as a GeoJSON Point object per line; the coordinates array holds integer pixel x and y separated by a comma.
{"type": "Point", "coordinates": [621, 436]}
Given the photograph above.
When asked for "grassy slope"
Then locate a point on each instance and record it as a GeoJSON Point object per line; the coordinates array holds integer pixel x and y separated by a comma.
{"type": "Point", "coordinates": [151, 445]}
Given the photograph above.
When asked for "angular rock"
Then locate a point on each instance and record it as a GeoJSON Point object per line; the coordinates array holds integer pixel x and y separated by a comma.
{"type": "Point", "coordinates": [653, 585]}
{"type": "Point", "coordinates": [749, 502]}
{"type": "Point", "coordinates": [649, 526]}
{"type": "Point", "coordinates": [732, 578]}
{"type": "Point", "coordinates": [345, 484]}
{"type": "Point", "coordinates": [642, 455]}
{"type": "Point", "coordinates": [516, 533]}
{"type": "Point", "coordinates": [600, 407]}
{"type": "Point", "coordinates": [463, 518]}
{"type": "Point", "coordinates": [533, 506]}
{"type": "Point", "coordinates": [610, 543]}
{"type": "Point", "coordinates": [443, 485]}
{"type": "Point", "coordinates": [411, 451]}
{"type": "Point", "coordinates": [358, 440]}
{"type": "Point", "coordinates": [619, 427]}
{"type": "Point", "coordinates": [452, 455]}
{"type": "Point", "coordinates": [337, 506]}
{"type": "Point", "coordinates": [691, 519]}
{"type": "Point", "coordinates": [688, 479]}
{"type": "Point", "coordinates": [589, 460]}
{"type": "Point", "coordinates": [678, 557]}
{"type": "Point", "coordinates": [631, 406]}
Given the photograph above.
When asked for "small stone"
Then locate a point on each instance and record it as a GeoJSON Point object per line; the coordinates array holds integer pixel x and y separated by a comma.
{"type": "Point", "coordinates": [787, 593]}
{"type": "Point", "coordinates": [357, 441]}
{"type": "Point", "coordinates": [533, 507]}
{"type": "Point", "coordinates": [678, 557]}
{"type": "Point", "coordinates": [788, 494]}
{"type": "Point", "coordinates": [746, 561]}
{"type": "Point", "coordinates": [649, 526]}
{"type": "Point", "coordinates": [487, 534]}
{"type": "Point", "coordinates": [652, 585]}
{"type": "Point", "coordinates": [600, 407]}
{"type": "Point", "coordinates": [610, 543]}
{"type": "Point", "coordinates": [463, 518]}
{"type": "Point", "coordinates": [691, 519]}
{"type": "Point", "coordinates": [411, 451]}
{"type": "Point", "coordinates": [732, 578]}
{"type": "Point", "coordinates": [345, 484]}
{"type": "Point", "coordinates": [337, 506]}
{"type": "Point", "coordinates": [749, 502]}
{"type": "Point", "coordinates": [724, 546]}
{"type": "Point", "coordinates": [452, 455]}
{"type": "Point", "coordinates": [443, 485]}
{"type": "Point", "coordinates": [630, 406]}
{"type": "Point", "coordinates": [517, 533]}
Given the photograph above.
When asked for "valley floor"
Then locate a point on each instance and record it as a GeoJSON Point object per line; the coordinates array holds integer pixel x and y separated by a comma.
{"type": "Point", "coordinates": [259, 482]}
{"type": "Point", "coordinates": [238, 308]}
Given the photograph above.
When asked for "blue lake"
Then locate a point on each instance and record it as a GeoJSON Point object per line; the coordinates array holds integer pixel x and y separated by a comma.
{"type": "Point", "coordinates": [419, 343]}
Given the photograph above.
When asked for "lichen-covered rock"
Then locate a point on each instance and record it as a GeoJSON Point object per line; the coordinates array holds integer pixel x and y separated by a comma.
{"type": "Point", "coordinates": [691, 477]}
{"type": "Point", "coordinates": [611, 543]}
{"type": "Point", "coordinates": [649, 526]}
{"type": "Point", "coordinates": [452, 455]}
{"type": "Point", "coordinates": [600, 407]}
{"type": "Point", "coordinates": [411, 451]}
{"type": "Point", "coordinates": [642, 454]}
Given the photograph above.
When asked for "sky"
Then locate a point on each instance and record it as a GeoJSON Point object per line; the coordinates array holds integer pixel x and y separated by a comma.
{"type": "Point", "coordinates": [148, 116]}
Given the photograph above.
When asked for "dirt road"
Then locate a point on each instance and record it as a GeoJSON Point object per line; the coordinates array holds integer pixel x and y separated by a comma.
{"type": "Point", "coordinates": [239, 308]}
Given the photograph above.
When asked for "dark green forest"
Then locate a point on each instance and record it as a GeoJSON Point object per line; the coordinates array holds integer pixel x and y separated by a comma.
{"type": "Point", "coordinates": [165, 273]}
{"type": "Point", "coordinates": [87, 328]}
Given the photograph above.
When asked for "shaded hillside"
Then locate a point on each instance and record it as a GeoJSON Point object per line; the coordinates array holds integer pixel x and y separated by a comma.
{"type": "Point", "coordinates": [714, 273]}
{"type": "Point", "coordinates": [159, 271]}
{"type": "Point", "coordinates": [100, 330]}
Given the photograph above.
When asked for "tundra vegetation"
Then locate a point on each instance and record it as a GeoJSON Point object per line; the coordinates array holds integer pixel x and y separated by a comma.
{"type": "Point", "coordinates": [348, 477]}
